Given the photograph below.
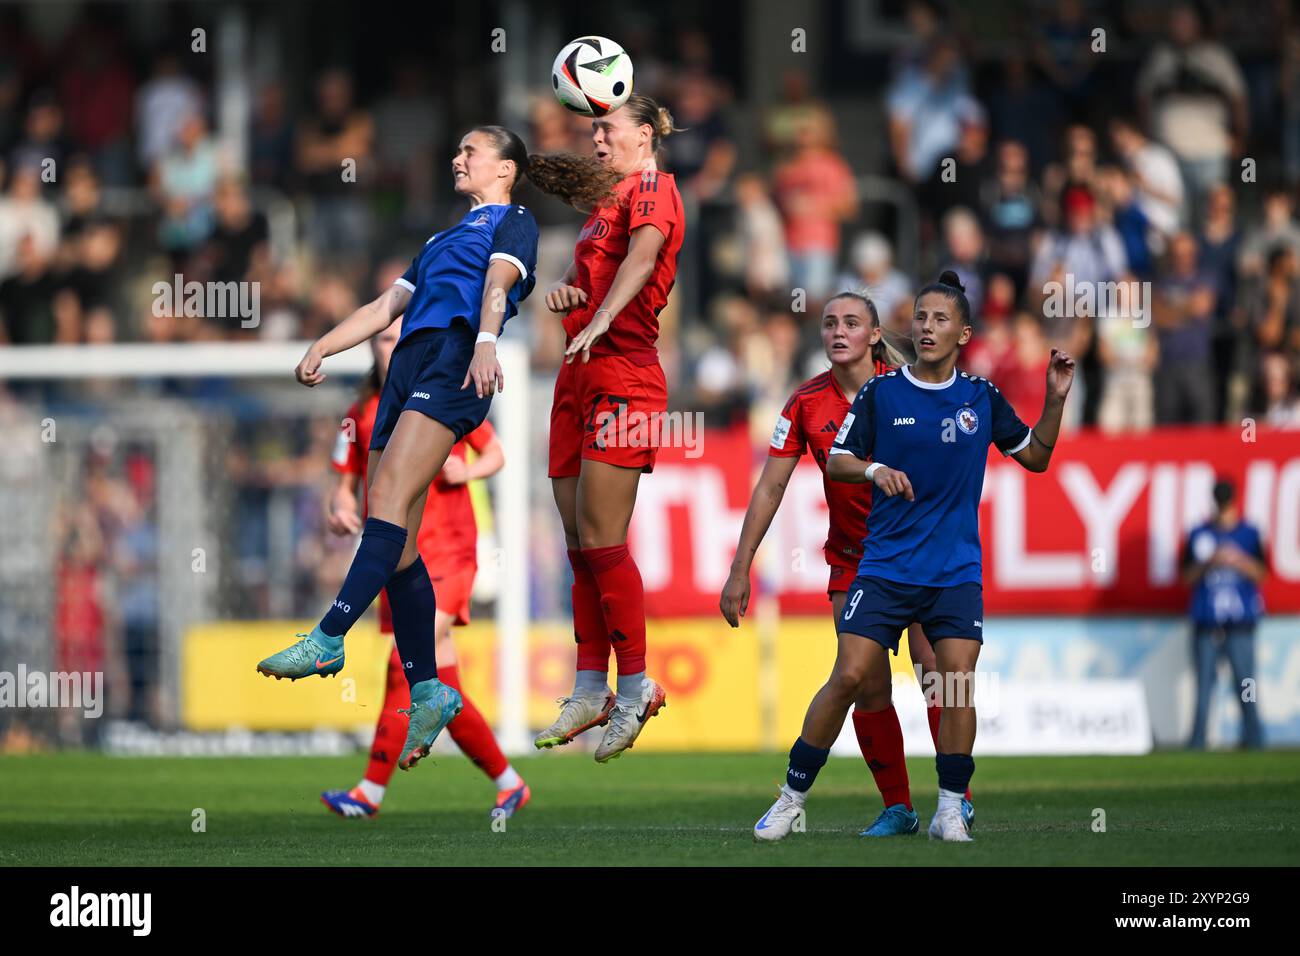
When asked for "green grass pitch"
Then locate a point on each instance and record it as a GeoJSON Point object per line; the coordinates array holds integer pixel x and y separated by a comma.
{"type": "Point", "coordinates": [80, 809]}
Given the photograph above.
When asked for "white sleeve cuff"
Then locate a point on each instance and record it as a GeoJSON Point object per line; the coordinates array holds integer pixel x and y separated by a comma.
{"type": "Point", "coordinates": [401, 280]}
{"type": "Point", "coordinates": [523, 273]}
{"type": "Point", "coordinates": [840, 451]}
{"type": "Point", "coordinates": [1024, 443]}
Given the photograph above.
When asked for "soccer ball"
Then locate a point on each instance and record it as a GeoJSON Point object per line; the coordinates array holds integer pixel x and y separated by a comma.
{"type": "Point", "coordinates": [592, 76]}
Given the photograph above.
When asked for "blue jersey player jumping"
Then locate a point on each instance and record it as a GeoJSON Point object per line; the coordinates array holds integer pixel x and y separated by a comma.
{"type": "Point", "coordinates": [925, 429]}
{"type": "Point", "coordinates": [457, 295]}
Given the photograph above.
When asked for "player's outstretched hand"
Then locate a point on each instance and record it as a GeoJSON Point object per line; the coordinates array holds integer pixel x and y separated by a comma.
{"type": "Point", "coordinates": [485, 371]}
{"type": "Point", "coordinates": [562, 298]}
{"type": "Point", "coordinates": [1060, 375]}
{"type": "Point", "coordinates": [893, 482]}
{"type": "Point", "coordinates": [735, 598]}
{"type": "Point", "coordinates": [308, 371]}
{"type": "Point", "coordinates": [584, 340]}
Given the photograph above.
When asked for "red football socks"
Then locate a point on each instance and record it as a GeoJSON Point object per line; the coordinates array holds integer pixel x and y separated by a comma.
{"type": "Point", "coordinates": [880, 738]}
{"type": "Point", "coordinates": [471, 732]}
{"type": "Point", "coordinates": [622, 598]}
{"type": "Point", "coordinates": [390, 733]}
{"type": "Point", "coordinates": [588, 617]}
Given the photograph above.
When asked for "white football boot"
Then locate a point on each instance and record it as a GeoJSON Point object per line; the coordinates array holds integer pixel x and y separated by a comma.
{"type": "Point", "coordinates": [626, 721]}
{"type": "Point", "coordinates": [577, 714]}
{"type": "Point", "coordinates": [779, 820]}
{"type": "Point", "coordinates": [949, 825]}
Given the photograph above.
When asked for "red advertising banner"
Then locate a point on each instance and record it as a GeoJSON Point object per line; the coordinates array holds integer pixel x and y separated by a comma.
{"type": "Point", "coordinates": [1102, 531]}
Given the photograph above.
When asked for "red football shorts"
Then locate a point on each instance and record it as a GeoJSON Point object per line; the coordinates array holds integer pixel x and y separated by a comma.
{"type": "Point", "coordinates": [608, 409]}
{"type": "Point", "coordinates": [844, 568]}
{"type": "Point", "coordinates": [451, 591]}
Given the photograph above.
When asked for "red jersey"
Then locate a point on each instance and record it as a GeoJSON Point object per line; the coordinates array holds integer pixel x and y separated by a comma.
{"type": "Point", "coordinates": [810, 420]}
{"type": "Point", "coordinates": [448, 533]}
{"type": "Point", "coordinates": [649, 199]}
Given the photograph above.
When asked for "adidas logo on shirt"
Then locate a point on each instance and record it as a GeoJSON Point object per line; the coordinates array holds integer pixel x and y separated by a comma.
{"type": "Point", "coordinates": [830, 427]}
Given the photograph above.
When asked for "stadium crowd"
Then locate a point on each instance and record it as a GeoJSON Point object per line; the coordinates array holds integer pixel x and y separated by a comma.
{"type": "Point", "coordinates": [113, 178]}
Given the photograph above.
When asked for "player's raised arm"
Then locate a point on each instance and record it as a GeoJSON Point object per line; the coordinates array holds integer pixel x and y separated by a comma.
{"type": "Point", "coordinates": [633, 273]}
{"type": "Point", "coordinates": [371, 319]}
{"type": "Point", "coordinates": [1037, 454]}
{"type": "Point", "coordinates": [763, 503]}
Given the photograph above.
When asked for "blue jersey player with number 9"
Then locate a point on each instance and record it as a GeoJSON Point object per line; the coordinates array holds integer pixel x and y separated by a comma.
{"type": "Point", "coordinates": [920, 434]}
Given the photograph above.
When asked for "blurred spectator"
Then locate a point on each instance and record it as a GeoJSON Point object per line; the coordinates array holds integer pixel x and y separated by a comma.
{"type": "Point", "coordinates": [1223, 564]}
{"type": "Point", "coordinates": [1009, 204]}
{"type": "Point", "coordinates": [1184, 312]}
{"type": "Point", "coordinates": [183, 182]}
{"type": "Point", "coordinates": [702, 155]}
{"type": "Point", "coordinates": [338, 133]}
{"type": "Point", "coordinates": [1021, 377]}
{"type": "Point", "coordinates": [1218, 250]}
{"type": "Point", "coordinates": [94, 281]}
{"type": "Point", "coordinates": [797, 106]}
{"type": "Point", "coordinates": [1128, 352]}
{"type": "Point", "coordinates": [1279, 228]}
{"type": "Point", "coordinates": [25, 213]}
{"type": "Point", "coordinates": [1273, 305]}
{"type": "Point", "coordinates": [409, 125]}
{"type": "Point", "coordinates": [926, 106]}
{"type": "Point", "coordinates": [97, 87]}
{"type": "Point", "coordinates": [271, 140]}
{"type": "Point", "coordinates": [1158, 186]}
{"type": "Point", "coordinates": [963, 184]}
{"type": "Point", "coordinates": [1193, 95]}
{"type": "Point", "coordinates": [874, 275]}
{"type": "Point", "coordinates": [162, 106]}
{"type": "Point", "coordinates": [28, 307]}
{"type": "Point", "coordinates": [238, 249]}
{"type": "Point", "coordinates": [1279, 393]}
{"type": "Point", "coordinates": [762, 239]}
{"type": "Point", "coordinates": [1077, 167]}
{"type": "Point", "coordinates": [816, 192]}
{"type": "Point", "coordinates": [1085, 248]}
{"type": "Point", "coordinates": [1127, 218]}
{"type": "Point", "coordinates": [43, 137]}
{"type": "Point", "coordinates": [1063, 51]}
{"type": "Point", "coordinates": [1024, 110]}
{"type": "Point", "coordinates": [963, 241]}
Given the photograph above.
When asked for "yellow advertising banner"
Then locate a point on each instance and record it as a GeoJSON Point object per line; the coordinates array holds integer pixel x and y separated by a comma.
{"type": "Point", "coordinates": [727, 689]}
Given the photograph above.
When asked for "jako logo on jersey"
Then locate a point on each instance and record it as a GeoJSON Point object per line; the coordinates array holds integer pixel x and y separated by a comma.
{"type": "Point", "coordinates": [967, 420]}
{"type": "Point", "coordinates": [420, 395]}
{"type": "Point", "coordinates": [482, 220]}
{"type": "Point", "coordinates": [904, 421]}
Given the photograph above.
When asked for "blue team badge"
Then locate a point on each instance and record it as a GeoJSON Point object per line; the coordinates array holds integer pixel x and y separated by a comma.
{"type": "Point", "coordinates": [967, 420]}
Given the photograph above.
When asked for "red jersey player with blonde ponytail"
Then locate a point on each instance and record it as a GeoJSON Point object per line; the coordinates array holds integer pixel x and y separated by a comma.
{"type": "Point", "coordinates": [623, 268]}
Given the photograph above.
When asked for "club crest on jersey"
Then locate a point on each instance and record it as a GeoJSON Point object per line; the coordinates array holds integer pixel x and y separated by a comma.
{"type": "Point", "coordinates": [967, 420]}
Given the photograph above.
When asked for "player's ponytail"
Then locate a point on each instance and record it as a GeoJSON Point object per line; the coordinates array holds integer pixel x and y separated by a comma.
{"type": "Point", "coordinates": [645, 111]}
{"type": "Point", "coordinates": [580, 181]}
{"type": "Point", "coordinates": [950, 286]}
{"type": "Point", "coordinates": [891, 348]}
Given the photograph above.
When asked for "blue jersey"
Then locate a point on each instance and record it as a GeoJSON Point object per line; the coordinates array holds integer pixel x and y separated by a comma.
{"type": "Point", "coordinates": [938, 435]}
{"type": "Point", "coordinates": [446, 278]}
{"type": "Point", "coordinates": [1224, 595]}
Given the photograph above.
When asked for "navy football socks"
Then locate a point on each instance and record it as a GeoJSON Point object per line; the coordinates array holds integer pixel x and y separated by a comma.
{"type": "Point", "coordinates": [410, 595]}
{"type": "Point", "coordinates": [805, 761]}
{"type": "Point", "coordinates": [376, 559]}
{"type": "Point", "coordinates": [955, 771]}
